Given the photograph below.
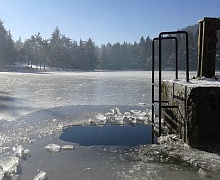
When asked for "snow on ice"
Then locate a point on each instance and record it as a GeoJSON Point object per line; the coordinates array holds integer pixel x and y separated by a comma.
{"type": "Point", "coordinates": [199, 82]}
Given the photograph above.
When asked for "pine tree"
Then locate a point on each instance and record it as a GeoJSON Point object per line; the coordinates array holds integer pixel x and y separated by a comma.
{"type": "Point", "coordinates": [148, 54]}
{"type": "Point", "coordinates": [103, 63]}
{"type": "Point", "coordinates": [18, 46]}
{"type": "Point", "coordinates": [27, 51]}
{"type": "Point", "coordinates": [3, 41]}
{"type": "Point", "coordinates": [91, 58]}
{"type": "Point", "coordinates": [134, 59]}
{"type": "Point", "coordinates": [141, 54]}
{"type": "Point", "coordinates": [11, 52]}
{"type": "Point", "coordinates": [8, 52]}
{"type": "Point", "coordinates": [55, 48]}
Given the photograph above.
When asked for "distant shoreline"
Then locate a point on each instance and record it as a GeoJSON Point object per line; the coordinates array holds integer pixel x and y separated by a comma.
{"type": "Point", "coordinates": [22, 68]}
{"type": "Point", "coordinates": [34, 69]}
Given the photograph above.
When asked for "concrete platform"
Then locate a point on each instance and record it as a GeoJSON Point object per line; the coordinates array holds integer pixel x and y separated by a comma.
{"type": "Point", "coordinates": [196, 119]}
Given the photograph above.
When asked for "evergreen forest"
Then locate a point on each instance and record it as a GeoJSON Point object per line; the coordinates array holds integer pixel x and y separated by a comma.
{"type": "Point", "coordinates": [62, 52]}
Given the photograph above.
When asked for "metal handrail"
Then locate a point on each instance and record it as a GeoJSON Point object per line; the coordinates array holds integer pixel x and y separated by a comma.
{"type": "Point", "coordinates": [160, 66]}
{"type": "Point", "coordinates": [187, 49]}
{"type": "Point", "coordinates": [153, 67]}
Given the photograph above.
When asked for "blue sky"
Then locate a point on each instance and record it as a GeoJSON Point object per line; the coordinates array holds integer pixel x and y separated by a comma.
{"type": "Point", "coordinates": [103, 20]}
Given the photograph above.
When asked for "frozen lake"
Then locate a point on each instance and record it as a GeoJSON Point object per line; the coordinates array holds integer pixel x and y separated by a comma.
{"type": "Point", "coordinates": [37, 110]}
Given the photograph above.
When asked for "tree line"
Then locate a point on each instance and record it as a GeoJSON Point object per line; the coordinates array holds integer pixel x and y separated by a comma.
{"type": "Point", "coordinates": [62, 52]}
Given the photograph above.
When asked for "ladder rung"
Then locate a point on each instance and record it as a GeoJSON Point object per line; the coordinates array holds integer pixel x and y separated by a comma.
{"type": "Point", "coordinates": [161, 101]}
{"type": "Point", "coordinates": [155, 105]}
{"type": "Point", "coordinates": [154, 84]}
{"type": "Point", "coordinates": [171, 129]}
{"type": "Point", "coordinates": [156, 131]}
{"type": "Point", "coordinates": [171, 119]}
{"type": "Point", "coordinates": [164, 106]}
{"type": "Point", "coordinates": [155, 128]}
{"type": "Point", "coordinates": [168, 106]}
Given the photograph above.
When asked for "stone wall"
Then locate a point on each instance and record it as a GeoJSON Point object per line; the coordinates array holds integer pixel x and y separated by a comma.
{"type": "Point", "coordinates": [196, 119]}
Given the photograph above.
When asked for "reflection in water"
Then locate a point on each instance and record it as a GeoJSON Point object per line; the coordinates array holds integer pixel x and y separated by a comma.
{"type": "Point", "coordinates": [113, 135]}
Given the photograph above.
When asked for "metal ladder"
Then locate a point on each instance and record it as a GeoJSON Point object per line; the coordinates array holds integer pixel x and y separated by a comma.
{"type": "Point", "coordinates": [158, 103]}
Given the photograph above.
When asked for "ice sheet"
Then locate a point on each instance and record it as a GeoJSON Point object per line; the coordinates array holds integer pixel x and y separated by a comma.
{"type": "Point", "coordinates": [35, 108]}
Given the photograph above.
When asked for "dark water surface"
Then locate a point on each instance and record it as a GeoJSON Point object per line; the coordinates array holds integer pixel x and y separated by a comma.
{"type": "Point", "coordinates": [113, 135]}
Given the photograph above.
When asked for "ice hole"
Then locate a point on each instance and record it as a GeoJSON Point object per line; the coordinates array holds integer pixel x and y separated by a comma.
{"type": "Point", "coordinates": [109, 135]}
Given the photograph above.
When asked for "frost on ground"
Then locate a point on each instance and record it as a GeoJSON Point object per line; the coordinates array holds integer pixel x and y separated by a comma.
{"type": "Point", "coordinates": [128, 118]}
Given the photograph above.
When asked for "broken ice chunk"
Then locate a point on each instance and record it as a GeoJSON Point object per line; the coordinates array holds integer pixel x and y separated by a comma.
{"type": "Point", "coordinates": [5, 149]}
{"type": "Point", "coordinates": [86, 169]}
{"type": "Point", "coordinates": [28, 140]}
{"type": "Point", "coordinates": [52, 148]}
{"type": "Point", "coordinates": [26, 152]}
{"type": "Point", "coordinates": [119, 120]}
{"type": "Point", "coordinates": [140, 120]}
{"type": "Point", "coordinates": [129, 121]}
{"type": "Point", "coordinates": [9, 164]}
{"type": "Point", "coordinates": [127, 115]}
{"type": "Point", "coordinates": [110, 119]}
{"type": "Point", "coordinates": [67, 147]}
{"type": "Point", "coordinates": [101, 116]}
{"type": "Point", "coordinates": [113, 111]}
{"type": "Point", "coordinates": [117, 111]}
{"type": "Point", "coordinates": [20, 151]}
{"type": "Point", "coordinates": [1, 173]}
{"type": "Point", "coordinates": [14, 177]}
{"type": "Point", "coordinates": [41, 176]}
{"type": "Point", "coordinates": [136, 112]}
{"type": "Point", "coordinates": [201, 172]}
